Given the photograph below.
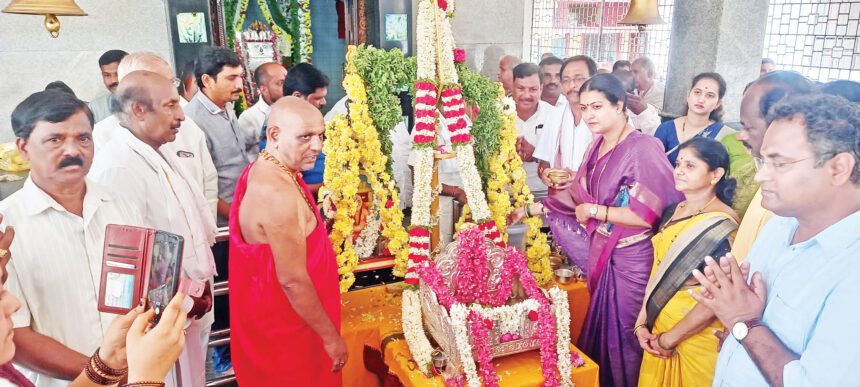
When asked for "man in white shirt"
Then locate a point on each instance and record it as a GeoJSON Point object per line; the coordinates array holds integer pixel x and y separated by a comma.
{"type": "Point", "coordinates": [563, 145]}
{"type": "Point", "coordinates": [189, 149]}
{"type": "Point", "coordinates": [59, 217]}
{"type": "Point", "coordinates": [269, 78]}
{"type": "Point", "coordinates": [134, 165]}
{"type": "Point", "coordinates": [550, 68]}
{"type": "Point", "coordinates": [648, 89]}
{"type": "Point", "coordinates": [108, 62]}
{"type": "Point", "coordinates": [643, 116]}
{"type": "Point", "coordinates": [532, 117]}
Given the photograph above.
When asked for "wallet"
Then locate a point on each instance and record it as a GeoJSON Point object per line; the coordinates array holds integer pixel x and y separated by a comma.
{"type": "Point", "coordinates": [136, 263]}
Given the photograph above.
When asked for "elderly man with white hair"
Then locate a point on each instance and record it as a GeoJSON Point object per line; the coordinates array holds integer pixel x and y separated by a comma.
{"type": "Point", "coordinates": [189, 149]}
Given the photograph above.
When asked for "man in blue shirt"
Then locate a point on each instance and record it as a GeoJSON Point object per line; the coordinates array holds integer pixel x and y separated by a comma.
{"type": "Point", "coordinates": [309, 83]}
{"type": "Point", "coordinates": [795, 323]}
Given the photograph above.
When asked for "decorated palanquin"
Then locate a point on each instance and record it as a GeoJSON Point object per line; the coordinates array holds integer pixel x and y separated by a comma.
{"type": "Point", "coordinates": [477, 297]}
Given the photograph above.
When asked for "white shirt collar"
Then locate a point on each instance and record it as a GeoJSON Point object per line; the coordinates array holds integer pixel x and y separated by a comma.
{"type": "Point", "coordinates": [39, 200]}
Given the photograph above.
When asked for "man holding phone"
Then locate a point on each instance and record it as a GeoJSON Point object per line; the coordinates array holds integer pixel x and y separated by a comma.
{"type": "Point", "coordinates": [169, 198]}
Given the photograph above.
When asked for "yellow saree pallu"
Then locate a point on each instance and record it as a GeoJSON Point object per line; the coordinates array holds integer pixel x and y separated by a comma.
{"type": "Point", "coordinates": [678, 248]}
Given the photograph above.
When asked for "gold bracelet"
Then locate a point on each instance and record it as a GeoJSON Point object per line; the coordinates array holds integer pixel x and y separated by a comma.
{"type": "Point", "coordinates": [636, 329]}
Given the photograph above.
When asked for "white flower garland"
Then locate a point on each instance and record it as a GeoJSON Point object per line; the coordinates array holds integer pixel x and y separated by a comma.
{"type": "Point", "coordinates": [422, 193]}
{"type": "Point", "coordinates": [561, 310]}
{"type": "Point", "coordinates": [509, 316]}
{"type": "Point", "coordinates": [447, 70]}
{"type": "Point", "coordinates": [413, 330]}
{"type": "Point", "coordinates": [472, 182]}
{"type": "Point", "coordinates": [365, 244]}
{"type": "Point", "coordinates": [460, 324]}
{"type": "Point", "coordinates": [426, 41]}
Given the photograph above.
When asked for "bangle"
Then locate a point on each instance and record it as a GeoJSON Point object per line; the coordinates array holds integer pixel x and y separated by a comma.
{"type": "Point", "coordinates": [606, 215]}
{"type": "Point", "coordinates": [636, 329]}
{"type": "Point", "coordinates": [144, 384]}
{"type": "Point", "coordinates": [100, 373]}
{"type": "Point", "coordinates": [528, 213]}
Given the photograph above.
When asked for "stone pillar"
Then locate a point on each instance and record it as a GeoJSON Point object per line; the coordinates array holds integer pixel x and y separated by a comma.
{"type": "Point", "coordinates": [724, 36]}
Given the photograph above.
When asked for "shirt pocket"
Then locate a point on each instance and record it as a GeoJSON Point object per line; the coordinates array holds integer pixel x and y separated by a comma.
{"type": "Point", "coordinates": [786, 317]}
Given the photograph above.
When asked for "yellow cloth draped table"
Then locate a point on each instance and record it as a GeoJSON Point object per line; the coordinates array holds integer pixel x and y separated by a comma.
{"type": "Point", "coordinates": [371, 318]}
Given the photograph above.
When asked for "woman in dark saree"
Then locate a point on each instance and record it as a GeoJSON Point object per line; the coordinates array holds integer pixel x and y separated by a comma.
{"type": "Point", "coordinates": [617, 197]}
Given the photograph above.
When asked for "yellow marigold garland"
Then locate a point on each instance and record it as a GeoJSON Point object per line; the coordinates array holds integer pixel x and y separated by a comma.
{"type": "Point", "coordinates": [352, 145]}
{"type": "Point", "coordinates": [508, 169]}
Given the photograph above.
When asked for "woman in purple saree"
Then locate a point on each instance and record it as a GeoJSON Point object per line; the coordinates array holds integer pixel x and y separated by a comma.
{"type": "Point", "coordinates": [615, 201]}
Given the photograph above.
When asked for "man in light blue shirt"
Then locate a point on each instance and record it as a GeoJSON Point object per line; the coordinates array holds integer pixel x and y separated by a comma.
{"type": "Point", "coordinates": [796, 322]}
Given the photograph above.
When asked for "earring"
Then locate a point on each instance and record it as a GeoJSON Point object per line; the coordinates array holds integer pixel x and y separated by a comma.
{"type": "Point", "coordinates": [715, 181]}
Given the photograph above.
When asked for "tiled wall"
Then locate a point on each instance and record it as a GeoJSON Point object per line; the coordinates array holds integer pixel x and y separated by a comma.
{"type": "Point", "coordinates": [329, 51]}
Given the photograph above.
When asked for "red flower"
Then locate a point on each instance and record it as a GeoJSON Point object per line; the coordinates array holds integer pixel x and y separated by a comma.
{"type": "Point", "coordinates": [488, 323]}
{"type": "Point", "coordinates": [443, 4]}
{"type": "Point", "coordinates": [389, 203]}
{"type": "Point", "coordinates": [411, 281]}
{"type": "Point", "coordinates": [533, 315]}
{"type": "Point", "coordinates": [459, 54]}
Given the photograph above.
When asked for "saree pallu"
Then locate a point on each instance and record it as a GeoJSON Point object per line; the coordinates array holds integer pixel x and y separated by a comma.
{"type": "Point", "coordinates": [678, 249]}
{"type": "Point", "coordinates": [618, 259]}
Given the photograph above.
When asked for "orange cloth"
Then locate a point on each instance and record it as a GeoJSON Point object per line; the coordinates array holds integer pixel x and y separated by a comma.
{"type": "Point", "coordinates": [578, 299]}
{"type": "Point", "coordinates": [520, 370]}
{"type": "Point", "coordinates": [370, 316]}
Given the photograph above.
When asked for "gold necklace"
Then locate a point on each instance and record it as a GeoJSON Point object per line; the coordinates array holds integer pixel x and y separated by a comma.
{"type": "Point", "coordinates": [272, 159]}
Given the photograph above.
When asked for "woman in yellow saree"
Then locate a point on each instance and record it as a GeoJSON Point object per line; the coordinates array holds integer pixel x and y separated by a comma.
{"type": "Point", "coordinates": [676, 334]}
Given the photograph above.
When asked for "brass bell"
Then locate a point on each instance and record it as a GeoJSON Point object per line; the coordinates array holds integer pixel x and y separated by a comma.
{"type": "Point", "coordinates": [50, 8]}
{"type": "Point", "coordinates": [642, 13]}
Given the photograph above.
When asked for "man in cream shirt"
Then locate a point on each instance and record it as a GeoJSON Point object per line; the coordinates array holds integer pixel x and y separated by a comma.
{"type": "Point", "coordinates": [59, 217]}
{"type": "Point", "coordinates": [168, 198]}
{"type": "Point", "coordinates": [189, 149]}
{"type": "Point", "coordinates": [269, 78]}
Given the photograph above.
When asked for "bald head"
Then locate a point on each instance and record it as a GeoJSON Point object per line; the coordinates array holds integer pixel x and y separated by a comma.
{"type": "Point", "coordinates": [145, 61]}
{"type": "Point", "coordinates": [269, 78]}
{"type": "Point", "coordinates": [294, 132]}
{"type": "Point", "coordinates": [506, 74]}
{"type": "Point", "coordinates": [148, 105]}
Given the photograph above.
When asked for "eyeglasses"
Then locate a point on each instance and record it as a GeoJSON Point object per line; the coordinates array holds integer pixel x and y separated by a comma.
{"type": "Point", "coordinates": [760, 163]}
{"type": "Point", "coordinates": [176, 82]}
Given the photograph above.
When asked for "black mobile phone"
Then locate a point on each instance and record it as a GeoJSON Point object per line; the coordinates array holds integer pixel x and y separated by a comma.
{"type": "Point", "coordinates": [165, 270]}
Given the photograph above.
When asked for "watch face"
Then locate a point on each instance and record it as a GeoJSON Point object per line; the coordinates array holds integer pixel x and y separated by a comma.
{"type": "Point", "coordinates": [593, 211]}
{"type": "Point", "coordinates": [740, 331]}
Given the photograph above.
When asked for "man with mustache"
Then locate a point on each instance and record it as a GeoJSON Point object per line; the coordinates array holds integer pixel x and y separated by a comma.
{"type": "Point", "coordinates": [133, 164]}
{"type": "Point", "coordinates": [533, 116]}
{"type": "Point", "coordinates": [758, 98]}
{"type": "Point", "coordinates": [284, 327]}
{"type": "Point", "coordinates": [60, 218]}
{"type": "Point", "coordinates": [550, 67]}
{"type": "Point", "coordinates": [564, 146]}
{"type": "Point", "coordinates": [108, 63]}
{"type": "Point", "coordinates": [219, 76]}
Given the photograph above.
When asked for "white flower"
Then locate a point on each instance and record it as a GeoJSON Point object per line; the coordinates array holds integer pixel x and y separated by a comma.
{"type": "Point", "coordinates": [425, 41]}
{"type": "Point", "coordinates": [366, 242]}
{"type": "Point", "coordinates": [459, 323]}
{"type": "Point", "coordinates": [422, 195]}
{"type": "Point", "coordinates": [472, 182]}
{"type": "Point", "coordinates": [561, 310]}
{"type": "Point", "coordinates": [413, 330]}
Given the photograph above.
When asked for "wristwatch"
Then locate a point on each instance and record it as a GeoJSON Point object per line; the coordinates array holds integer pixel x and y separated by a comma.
{"type": "Point", "coordinates": [593, 211]}
{"type": "Point", "coordinates": [742, 328]}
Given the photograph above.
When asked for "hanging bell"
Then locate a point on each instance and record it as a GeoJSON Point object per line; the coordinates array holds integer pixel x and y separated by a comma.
{"type": "Point", "coordinates": [50, 8]}
{"type": "Point", "coordinates": [642, 13]}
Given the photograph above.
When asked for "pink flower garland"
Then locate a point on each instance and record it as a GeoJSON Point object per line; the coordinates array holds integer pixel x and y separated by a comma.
{"type": "Point", "coordinates": [454, 110]}
{"type": "Point", "coordinates": [472, 270]}
{"type": "Point", "coordinates": [481, 334]}
{"type": "Point", "coordinates": [430, 275]}
{"type": "Point", "coordinates": [425, 113]}
{"type": "Point", "coordinates": [546, 323]}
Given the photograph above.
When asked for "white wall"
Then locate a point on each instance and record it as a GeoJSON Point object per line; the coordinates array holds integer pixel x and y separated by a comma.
{"type": "Point", "coordinates": [30, 58]}
{"type": "Point", "coordinates": [487, 30]}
